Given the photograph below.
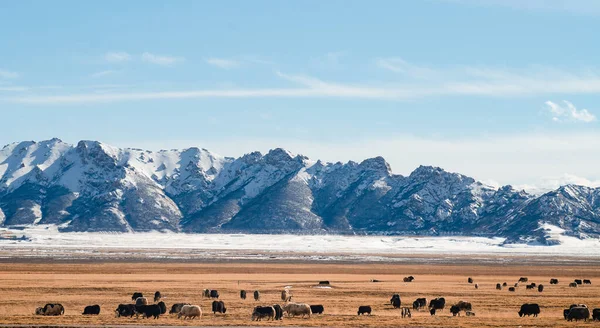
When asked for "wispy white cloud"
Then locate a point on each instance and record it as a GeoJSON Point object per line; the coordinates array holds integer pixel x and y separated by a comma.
{"type": "Point", "coordinates": [161, 59]}
{"type": "Point", "coordinates": [117, 57]}
{"type": "Point", "coordinates": [223, 63]}
{"type": "Point", "coordinates": [568, 112]}
{"type": "Point", "coordinates": [4, 74]}
{"type": "Point", "coordinates": [399, 65]}
{"type": "Point", "coordinates": [103, 73]}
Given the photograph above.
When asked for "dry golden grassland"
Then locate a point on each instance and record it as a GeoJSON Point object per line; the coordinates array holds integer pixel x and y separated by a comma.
{"type": "Point", "coordinates": [24, 286]}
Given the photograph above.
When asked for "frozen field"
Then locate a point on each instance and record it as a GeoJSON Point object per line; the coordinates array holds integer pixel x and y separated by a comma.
{"type": "Point", "coordinates": [47, 242]}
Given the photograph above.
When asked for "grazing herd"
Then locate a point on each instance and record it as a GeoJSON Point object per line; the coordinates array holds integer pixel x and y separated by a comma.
{"type": "Point", "coordinates": [186, 311]}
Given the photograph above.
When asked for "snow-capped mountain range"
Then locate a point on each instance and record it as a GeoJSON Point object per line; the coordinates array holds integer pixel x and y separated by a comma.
{"type": "Point", "coordinates": [92, 186]}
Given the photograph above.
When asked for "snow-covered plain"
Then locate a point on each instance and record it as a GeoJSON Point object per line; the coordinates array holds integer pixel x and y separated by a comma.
{"type": "Point", "coordinates": [46, 242]}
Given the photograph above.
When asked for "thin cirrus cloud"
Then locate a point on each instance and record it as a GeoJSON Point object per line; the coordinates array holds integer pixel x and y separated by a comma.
{"type": "Point", "coordinates": [117, 57]}
{"type": "Point", "coordinates": [4, 74]}
{"type": "Point", "coordinates": [223, 63]}
{"type": "Point", "coordinates": [161, 59]}
{"type": "Point", "coordinates": [568, 112]}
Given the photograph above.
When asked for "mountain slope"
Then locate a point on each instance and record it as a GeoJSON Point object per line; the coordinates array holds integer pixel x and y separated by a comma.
{"type": "Point", "coordinates": [95, 187]}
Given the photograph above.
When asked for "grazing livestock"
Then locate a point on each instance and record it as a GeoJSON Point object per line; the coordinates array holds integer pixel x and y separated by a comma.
{"type": "Point", "coordinates": [206, 293]}
{"type": "Point", "coordinates": [317, 309]}
{"type": "Point", "coordinates": [243, 294]}
{"type": "Point", "coordinates": [464, 306]}
{"type": "Point", "coordinates": [553, 281]}
{"type": "Point", "coordinates": [540, 288]}
{"type": "Point", "coordinates": [190, 311]}
{"type": "Point", "coordinates": [566, 313]}
{"type": "Point", "coordinates": [511, 289]}
{"type": "Point", "coordinates": [218, 306]}
{"type": "Point", "coordinates": [504, 284]}
{"type": "Point", "coordinates": [405, 312]}
{"type": "Point", "coordinates": [324, 282]}
{"type": "Point", "coordinates": [578, 281]}
{"type": "Point", "coordinates": [437, 303]}
{"type": "Point", "coordinates": [573, 285]}
{"type": "Point", "coordinates": [432, 311]}
{"type": "Point", "coordinates": [256, 295]}
{"type": "Point", "coordinates": [278, 312]}
{"type": "Point", "coordinates": [523, 279]}
{"type": "Point", "coordinates": [91, 310]}
{"type": "Point", "coordinates": [470, 280]}
{"type": "Point", "coordinates": [529, 287]}
{"type": "Point", "coordinates": [587, 282]}
{"type": "Point", "coordinates": [163, 307]}
{"type": "Point", "coordinates": [529, 309]}
{"type": "Point", "coordinates": [141, 301]}
{"type": "Point", "coordinates": [294, 309]}
{"type": "Point", "coordinates": [395, 301]}
{"type": "Point", "coordinates": [577, 305]}
{"type": "Point", "coordinates": [470, 314]}
{"type": "Point", "coordinates": [286, 296]}
{"type": "Point", "coordinates": [476, 286]}
{"type": "Point", "coordinates": [498, 287]}
{"type": "Point", "coordinates": [214, 294]}
{"type": "Point", "coordinates": [578, 313]}
{"type": "Point", "coordinates": [408, 279]}
{"type": "Point", "coordinates": [176, 308]}
{"type": "Point", "coordinates": [50, 309]}
{"type": "Point", "coordinates": [364, 309]}
{"type": "Point", "coordinates": [136, 295]}
{"type": "Point", "coordinates": [125, 310]}
{"type": "Point", "coordinates": [148, 311]}
{"type": "Point", "coordinates": [261, 312]}
{"type": "Point", "coordinates": [596, 314]}
{"type": "Point", "coordinates": [157, 297]}
{"type": "Point", "coordinates": [533, 284]}
{"type": "Point", "coordinates": [419, 303]}
{"type": "Point", "coordinates": [455, 310]}
{"type": "Point", "coordinates": [516, 285]}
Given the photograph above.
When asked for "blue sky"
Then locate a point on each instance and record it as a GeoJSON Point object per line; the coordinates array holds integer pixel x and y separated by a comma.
{"type": "Point", "coordinates": [504, 91]}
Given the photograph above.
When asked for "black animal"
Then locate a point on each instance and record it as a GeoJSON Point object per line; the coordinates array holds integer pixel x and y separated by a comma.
{"type": "Point", "coordinates": [566, 313]}
{"type": "Point", "coordinates": [455, 310]}
{"type": "Point", "coordinates": [419, 303]}
{"type": "Point", "coordinates": [176, 308]}
{"type": "Point", "coordinates": [533, 284]}
{"type": "Point", "coordinates": [498, 287]}
{"type": "Point", "coordinates": [464, 306]}
{"type": "Point", "coordinates": [125, 310]}
{"type": "Point", "coordinates": [92, 310]}
{"type": "Point", "coordinates": [432, 311]}
{"type": "Point", "coordinates": [470, 280]}
{"type": "Point", "coordinates": [148, 311]}
{"type": "Point", "coordinates": [157, 297]}
{"type": "Point", "coordinates": [587, 282]}
{"type": "Point", "coordinates": [437, 303]}
{"type": "Point", "coordinates": [578, 313]}
{"type": "Point", "coordinates": [553, 281]}
{"type": "Point", "coordinates": [395, 301]}
{"type": "Point", "coordinates": [163, 307]}
{"type": "Point", "coordinates": [511, 289]}
{"type": "Point", "coordinates": [214, 294]}
{"type": "Point", "coordinates": [243, 294]}
{"type": "Point", "coordinates": [278, 312]}
{"type": "Point", "coordinates": [504, 284]}
{"type": "Point", "coordinates": [523, 279]}
{"type": "Point", "coordinates": [596, 314]}
{"type": "Point", "coordinates": [260, 312]}
{"type": "Point", "coordinates": [324, 282]}
{"type": "Point", "coordinates": [578, 281]}
{"type": "Point", "coordinates": [529, 309]}
{"type": "Point", "coordinates": [476, 286]}
{"type": "Point", "coordinates": [577, 305]}
{"type": "Point", "coordinates": [573, 285]}
{"type": "Point", "coordinates": [529, 287]}
{"type": "Point", "coordinates": [540, 288]}
{"type": "Point", "coordinates": [136, 295]}
{"type": "Point", "coordinates": [317, 309]}
{"type": "Point", "coordinates": [218, 306]}
{"type": "Point", "coordinates": [256, 295]}
{"type": "Point", "coordinates": [364, 309]}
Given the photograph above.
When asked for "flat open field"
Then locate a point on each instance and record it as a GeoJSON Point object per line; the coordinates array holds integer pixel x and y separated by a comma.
{"type": "Point", "coordinates": [24, 286]}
